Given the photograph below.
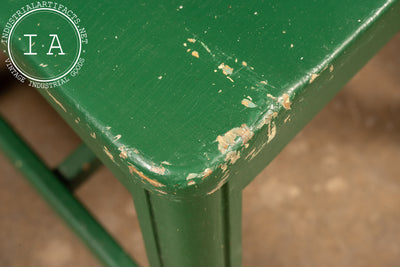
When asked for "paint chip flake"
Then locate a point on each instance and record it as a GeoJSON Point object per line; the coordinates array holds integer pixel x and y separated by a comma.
{"type": "Point", "coordinates": [313, 77]}
{"type": "Point", "coordinates": [230, 138]}
{"type": "Point", "coordinates": [195, 54]}
{"type": "Point", "coordinates": [285, 101]}
{"type": "Point", "coordinates": [191, 176]}
{"type": "Point", "coordinates": [108, 153]}
{"type": "Point", "coordinates": [133, 170]}
{"type": "Point", "coordinates": [158, 170]}
{"type": "Point", "coordinates": [248, 103]}
{"type": "Point", "coordinates": [225, 69]}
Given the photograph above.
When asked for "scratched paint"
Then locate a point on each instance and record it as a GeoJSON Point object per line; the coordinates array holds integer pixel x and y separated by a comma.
{"type": "Point", "coordinates": [232, 156]}
{"type": "Point", "coordinates": [191, 176]}
{"type": "Point", "coordinates": [124, 152]}
{"type": "Point", "coordinates": [195, 54]}
{"type": "Point", "coordinates": [207, 172]}
{"type": "Point", "coordinates": [56, 101]}
{"type": "Point", "coordinates": [284, 100]}
{"type": "Point", "coordinates": [108, 153]}
{"type": "Point", "coordinates": [133, 170]}
{"type": "Point", "coordinates": [248, 103]}
{"type": "Point", "coordinates": [250, 154]}
{"type": "Point", "coordinates": [117, 137]}
{"type": "Point", "coordinates": [266, 118]}
{"type": "Point", "coordinates": [225, 69]}
{"type": "Point", "coordinates": [313, 77]}
{"type": "Point", "coordinates": [271, 131]}
{"type": "Point", "coordinates": [231, 137]}
{"type": "Point", "coordinates": [220, 184]}
{"type": "Point", "coordinates": [158, 170]}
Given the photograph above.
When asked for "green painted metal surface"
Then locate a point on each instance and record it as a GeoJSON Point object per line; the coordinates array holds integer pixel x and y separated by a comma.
{"type": "Point", "coordinates": [187, 101]}
{"type": "Point", "coordinates": [62, 200]}
{"type": "Point", "coordinates": [78, 166]}
{"type": "Point", "coordinates": [179, 95]}
{"type": "Point", "coordinates": [198, 232]}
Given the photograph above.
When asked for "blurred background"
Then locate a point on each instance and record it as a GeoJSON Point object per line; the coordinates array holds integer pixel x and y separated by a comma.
{"type": "Point", "coordinates": [331, 197]}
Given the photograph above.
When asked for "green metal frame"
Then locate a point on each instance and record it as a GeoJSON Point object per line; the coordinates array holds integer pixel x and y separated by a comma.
{"type": "Point", "coordinates": [61, 199]}
{"type": "Point", "coordinates": [225, 143]}
{"type": "Point", "coordinates": [201, 232]}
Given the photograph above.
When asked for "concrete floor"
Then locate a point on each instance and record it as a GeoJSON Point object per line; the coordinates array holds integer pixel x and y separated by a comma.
{"type": "Point", "coordinates": [331, 198]}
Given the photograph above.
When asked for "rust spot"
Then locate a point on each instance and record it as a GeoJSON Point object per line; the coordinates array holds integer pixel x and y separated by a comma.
{"type": "Point", "coordinates": [195, 54]}
{"type": "Point", "coordinates": [133, 170]}
{"type": "Point", "coordinates": [230, 138]}
{"type": "Point", "coordinates": [248, 103]}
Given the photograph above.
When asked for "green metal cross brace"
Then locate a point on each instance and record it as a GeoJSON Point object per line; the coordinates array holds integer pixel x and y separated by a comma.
{"type": "Point", "coordinates": [186, 102]}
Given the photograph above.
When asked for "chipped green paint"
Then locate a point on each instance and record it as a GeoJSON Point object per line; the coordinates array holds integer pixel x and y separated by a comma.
{"type": "Point", "coordinates": [179, 80]}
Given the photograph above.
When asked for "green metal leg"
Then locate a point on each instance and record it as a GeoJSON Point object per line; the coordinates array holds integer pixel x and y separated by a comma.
{"type": "Point", "coordinates": [78, 166]}
{"type": "Point", "coordinates": [196, 232]}
{"type": "Point", "coordinates": [62, 200]}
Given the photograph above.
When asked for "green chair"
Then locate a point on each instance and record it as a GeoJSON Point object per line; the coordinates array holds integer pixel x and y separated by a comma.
{"type": "Point", "coordinates": [185, 103]}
